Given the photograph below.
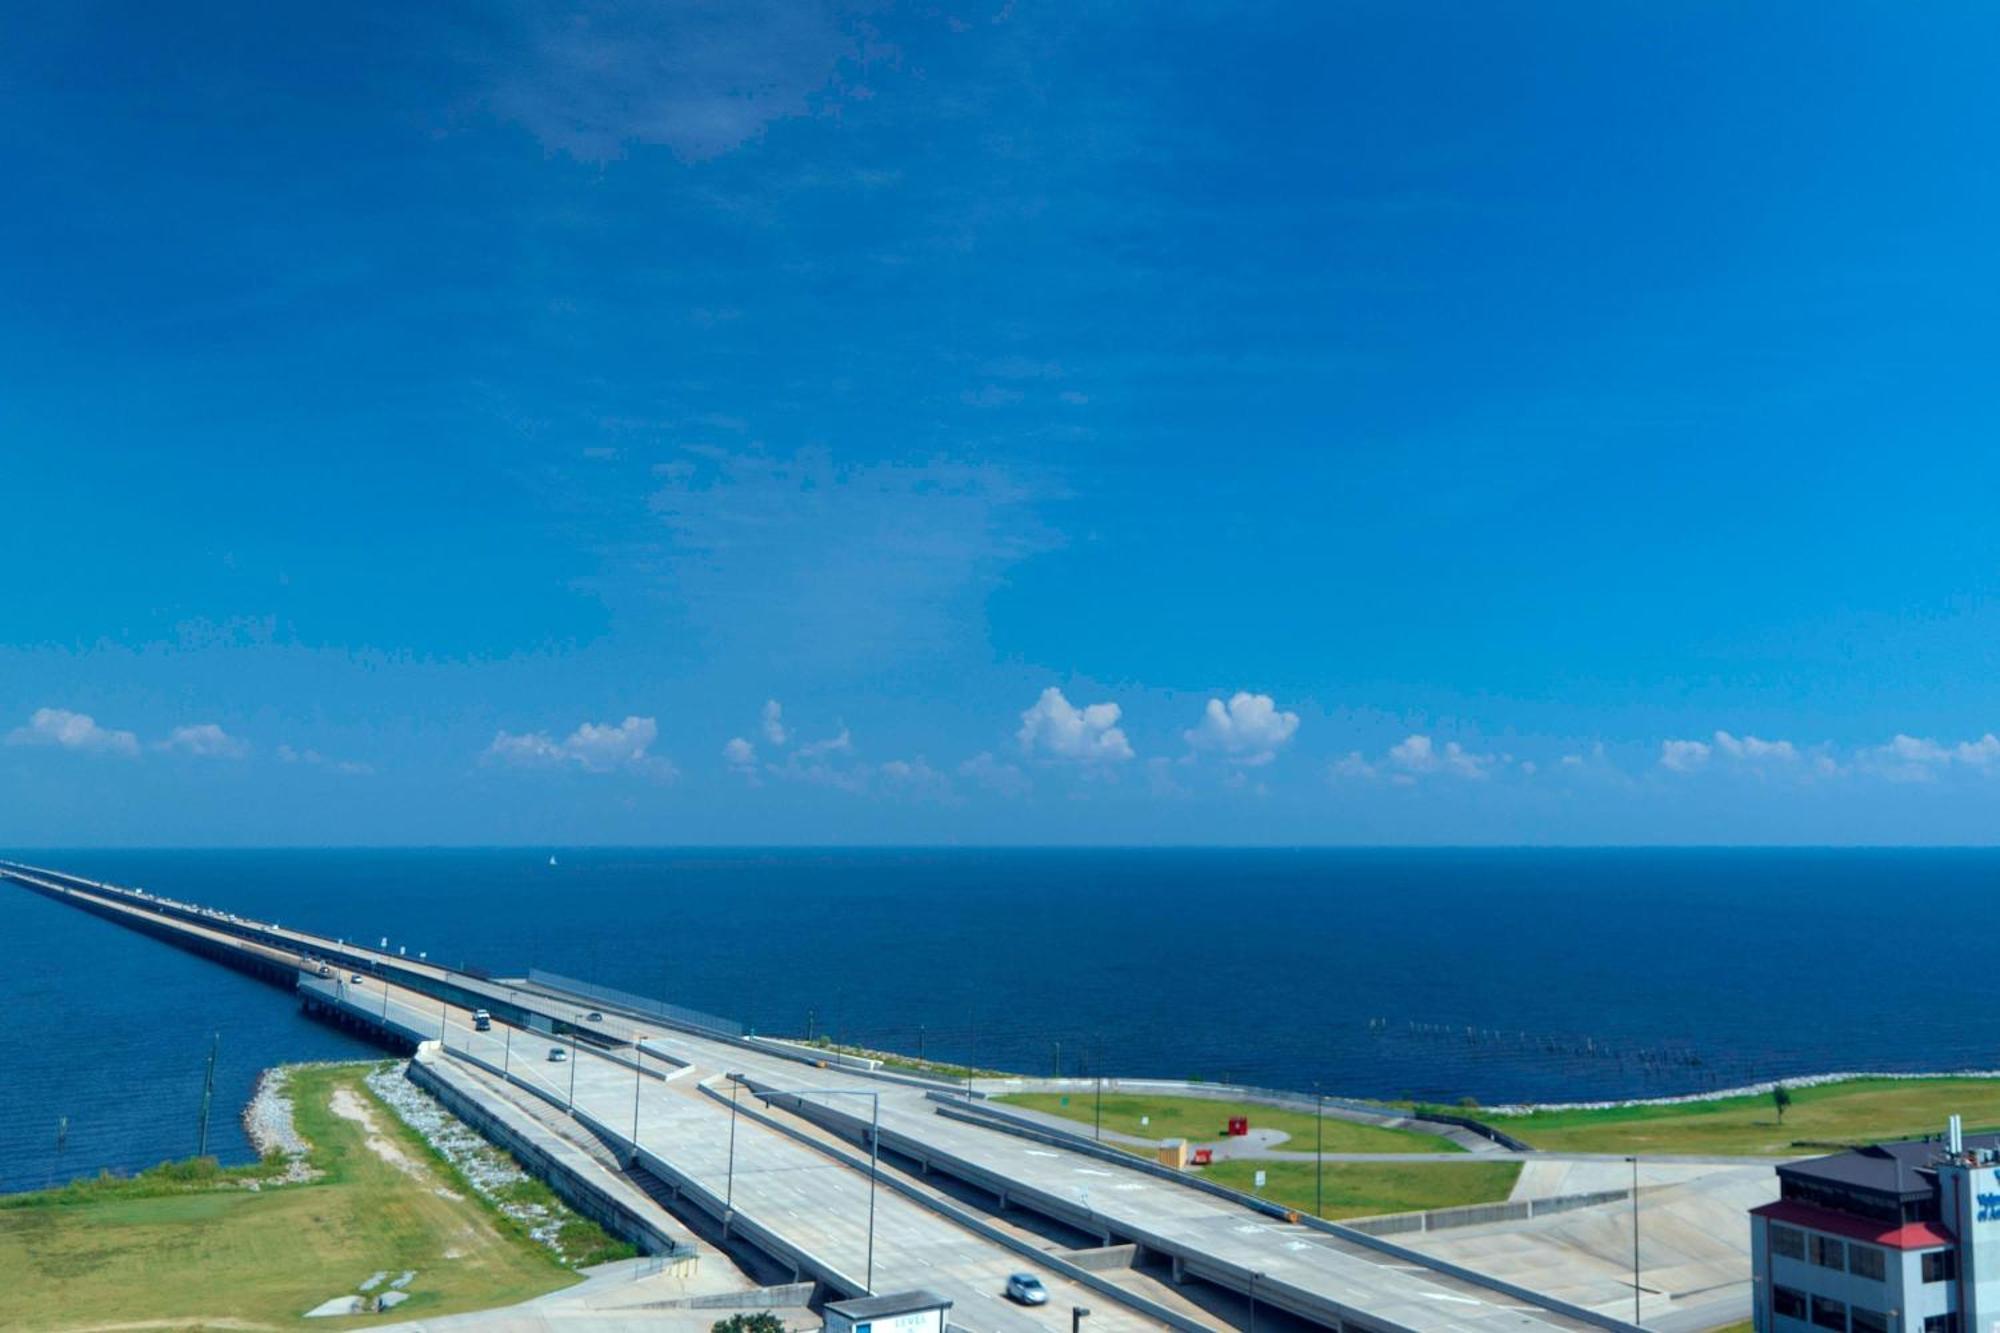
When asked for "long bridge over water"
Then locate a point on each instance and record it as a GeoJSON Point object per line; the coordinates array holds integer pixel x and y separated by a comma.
{"type": "Point", "coordinates": [680, 1132]}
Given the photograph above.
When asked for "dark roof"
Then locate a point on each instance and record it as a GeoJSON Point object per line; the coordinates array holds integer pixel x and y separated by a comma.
{"type": "Point", "coordinates": [896, 1302]}
{"type": "Point", "coordinates": [1883, 1168]}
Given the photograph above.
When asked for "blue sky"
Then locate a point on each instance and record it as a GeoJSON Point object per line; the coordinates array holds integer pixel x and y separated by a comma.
{"type": "Point", "coordinates": [1568, 423]}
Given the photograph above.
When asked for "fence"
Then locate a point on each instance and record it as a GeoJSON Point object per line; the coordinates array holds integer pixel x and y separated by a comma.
{"type": "Point", "coordinates": [672, 1013]}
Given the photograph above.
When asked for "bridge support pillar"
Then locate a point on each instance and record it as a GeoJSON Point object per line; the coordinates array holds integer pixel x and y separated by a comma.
{"type": "Point", "coordinates": [1180, 1271]}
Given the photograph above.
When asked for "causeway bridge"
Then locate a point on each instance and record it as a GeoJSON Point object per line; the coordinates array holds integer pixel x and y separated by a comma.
{"type": "Point", "coordinates": [860, 1180]}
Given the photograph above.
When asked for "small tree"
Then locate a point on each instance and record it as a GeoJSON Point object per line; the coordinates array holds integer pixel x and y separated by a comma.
{"type": "Point", "coordinates": [762, 1322]}
{"type": "Point", "coordinates": [1781, 1097]}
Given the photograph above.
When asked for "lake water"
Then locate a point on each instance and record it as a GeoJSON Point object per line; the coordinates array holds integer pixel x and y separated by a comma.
{"type": "Point", "coordinates": [1501, 975]}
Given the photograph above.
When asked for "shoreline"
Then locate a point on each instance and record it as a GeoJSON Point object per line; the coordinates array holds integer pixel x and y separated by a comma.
{"type": "Point", "coordinates": [1517, 1109]}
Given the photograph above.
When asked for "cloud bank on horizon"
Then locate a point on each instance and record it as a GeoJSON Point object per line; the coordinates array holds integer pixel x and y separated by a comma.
{"type": "Point", "coordinates": [802, 421]}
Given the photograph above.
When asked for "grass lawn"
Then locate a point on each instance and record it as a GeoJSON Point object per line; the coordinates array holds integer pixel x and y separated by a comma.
{"type": "Point", "coordinates": [1201, 1119]}
{"type": "Point", "coordinates": [1858, 1111]}
{"type": "Point", "coordinates": [1363, 1189]}
{"type": "Point", "coordinates": [172, 1248]}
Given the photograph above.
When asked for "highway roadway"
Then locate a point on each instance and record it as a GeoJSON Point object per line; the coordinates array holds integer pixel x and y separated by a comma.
{"type": "Point", "coordinates": [822, 1205]}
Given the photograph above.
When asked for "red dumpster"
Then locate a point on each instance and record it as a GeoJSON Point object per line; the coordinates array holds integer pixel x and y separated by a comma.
{"type": "Point", "coordinates": [1239, 1125]}
{"type": "Point", "coordinates": [1203, 1156]}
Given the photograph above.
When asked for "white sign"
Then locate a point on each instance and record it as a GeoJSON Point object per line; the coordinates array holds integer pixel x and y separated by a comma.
{"type": "Point", "coordinates": [1260, 1180]}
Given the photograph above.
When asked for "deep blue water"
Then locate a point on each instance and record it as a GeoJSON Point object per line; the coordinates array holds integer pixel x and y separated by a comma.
{"type": "Point", "coordinates": [1584, 974]}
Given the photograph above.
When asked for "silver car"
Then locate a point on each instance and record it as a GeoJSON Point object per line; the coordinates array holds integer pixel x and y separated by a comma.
{"type": "Point", "coordinates": [1027, 1289]}
{"type": "Point", "coordinates": [557, 1055]}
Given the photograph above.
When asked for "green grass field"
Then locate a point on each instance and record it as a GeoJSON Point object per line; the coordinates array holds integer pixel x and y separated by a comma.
{"type": "Point", "coordinates": [1859, 1111]}
{"type": "Point", "coordinates": [1201, 1119]}
{"type": "Point", "coordinates": [1364, 1189]}
{"type": "Point", "coordinates": [184, 1253]}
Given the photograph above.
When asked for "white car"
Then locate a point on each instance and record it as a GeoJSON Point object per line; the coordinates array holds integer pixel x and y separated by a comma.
{"type": "Point", "coordinates": [557, 1055]}
{"type": "Point", "coordinates": [1027, 1289]}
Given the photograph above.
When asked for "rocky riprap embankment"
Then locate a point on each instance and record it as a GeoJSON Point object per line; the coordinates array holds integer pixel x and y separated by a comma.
{"type": "Point", "coordinates": [269, 1123]}
{"type": "Point", "coordinates": [491, 1172]}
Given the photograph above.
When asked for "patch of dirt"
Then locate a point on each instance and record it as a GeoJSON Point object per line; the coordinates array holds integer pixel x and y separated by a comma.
{"type": "Point", "coordinates": [348, 1105]}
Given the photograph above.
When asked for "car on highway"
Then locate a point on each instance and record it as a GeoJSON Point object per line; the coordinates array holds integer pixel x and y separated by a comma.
{"type": "Point", "coordinates": [481, 1021]}
{"type": "Point", "coordinates": [593, 1017]}
{"type": "Point", "coordinates": [557, 1055]}
{"type": "Point", "coordinates": [354, 980]}
{"type": "Point", "coordinates": [325, 971]}
{"type": "Point", "coordinates": [1027, 1289]}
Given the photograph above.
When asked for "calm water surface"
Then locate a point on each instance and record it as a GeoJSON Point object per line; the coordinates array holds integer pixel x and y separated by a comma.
{"type": "Point", "coordinates": [1500, 975]}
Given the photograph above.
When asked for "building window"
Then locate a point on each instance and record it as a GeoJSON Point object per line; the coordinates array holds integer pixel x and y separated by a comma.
{"type": "Point", "coordinates": [1788, 1242]}
{"type": "Point", "coordinates": [1865, 1261]}
{"type": "Point", "coordinates": [1828, 1252]}
{"type": "Point", "coordinates": [1940, 1266]}
{"type": "Point", "coordinates": [1829, 1314]}
{"type": "Point", "coordinates": [1866, 1321]}
{"type": "Point", "coordinates": [1789, 1303]}
{"type": "Point", "coordinates": [1941, 1323]}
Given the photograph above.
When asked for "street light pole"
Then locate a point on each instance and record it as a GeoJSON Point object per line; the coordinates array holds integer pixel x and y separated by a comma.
{"type": "Point", "coordinates": [571, 1108]}
{"type": "Point", "coordinates": [638, 1073]}
{"type": "Point", "coordinates": [1319, 1152]}
{"type": "Point", "coordinates": [1100, 1108]}
{"type": "Point", "coordinates": [1077, 1314]}
{"type": "Point", "coordinates": [874, 1139]}
{"type": "Point", "coordinates": [1253, 1301]}
{"type": "Point", "coordinates": [729, 1190]}
{"type": "Point", "coordinates": [1635, 1237]}
{"type": "Point", "coordinates": [507, 1056]}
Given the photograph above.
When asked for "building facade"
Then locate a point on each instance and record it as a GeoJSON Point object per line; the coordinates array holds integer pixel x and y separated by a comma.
{"type": "Point", "coordinates": [1895, 1236]}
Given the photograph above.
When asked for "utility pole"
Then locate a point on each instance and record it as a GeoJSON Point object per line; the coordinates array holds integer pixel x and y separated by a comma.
{"type": "Point", "coordinates": [1100, 1109]}
{"type": "Point", "coordinates": [207, 1096]}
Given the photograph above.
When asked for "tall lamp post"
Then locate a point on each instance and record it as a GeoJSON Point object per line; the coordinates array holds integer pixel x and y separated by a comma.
{"type": "Point", "coordinates": [571, 1108]}
{"type": "Point", "coordinates": [1319, 1152]}
{"type": "Point", "coordinates": [1077, 1314]}
{"type": "Point", "coordinates": [1100, 1108]}
{"type": "Point", "coordinates": [1635, 1237]}
{"type": "Point", "coordinates": [874, 1138]}
{"type": "Point", "coordinates": [638, 1073]}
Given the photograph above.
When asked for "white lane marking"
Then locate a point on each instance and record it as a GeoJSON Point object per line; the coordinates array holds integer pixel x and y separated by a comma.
{"type": "Point", "coordinates": [1086, 1171]}
{"type": "Point", "coordinates": [1037, 1152]}
{"type": "Point", "coordinates": [1455, 1300]}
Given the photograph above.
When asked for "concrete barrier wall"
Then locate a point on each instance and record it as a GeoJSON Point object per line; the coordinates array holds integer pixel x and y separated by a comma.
{"type": "Point", "coordinates": [1475, 1214]}
{"type": "Point", "coordinates": [577, 1179]}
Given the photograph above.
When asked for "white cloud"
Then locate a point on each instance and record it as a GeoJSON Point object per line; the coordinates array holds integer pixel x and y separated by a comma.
{"type": "Point", "coordinates": [840, 743]}
{"type": "Point", "coordinates": [1920, 759]}
{"type": "Point", "coordinates": [1249, 730]}
{"type": "Point", "coordinates": [995, 776]}
{"type": "Point", "coordinates": [595, 747]}
{"type": "Point", "coordinates": [739, 753]}
{"type": "Point", "coordinates": [915, 778]}
{"type": "Point", "coordinates": [205, 740]}
{"type": "Point", "coordinates": [72, 731]}
{"type": "Point", "coordinates": [1683, 756]}
{"type": "Point", "coordinates": [1351, 765]}
{"type": "Point", "coordinates": [1750, 749]}
{"type": "Point", "coordinates": [313, 758]}
{"type": "Point", "coordinates": [1418, 756]}
{"type": "Point", "coordinates": [774, 722]}
{"type": "Point", "coordinates": [590, 79]}
{"type": "Point", "coordinates": [1086, 735]}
